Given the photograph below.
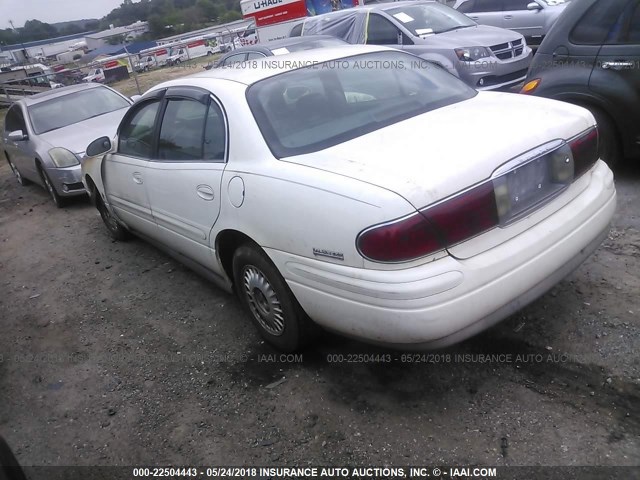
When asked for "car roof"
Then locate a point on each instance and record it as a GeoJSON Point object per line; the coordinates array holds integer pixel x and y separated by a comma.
{"type": "Point", "coordinates": [272, 66]}
{"type": "Point", "coordinates": [58, 92]}
{"type": "Point", "coordinates": [383, 5]}
{"type": "Point", "coordinates": [282, 43]}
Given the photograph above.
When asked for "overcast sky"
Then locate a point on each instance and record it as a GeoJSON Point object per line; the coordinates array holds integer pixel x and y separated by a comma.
{"type": "Point", "coordinates": [52, 11]}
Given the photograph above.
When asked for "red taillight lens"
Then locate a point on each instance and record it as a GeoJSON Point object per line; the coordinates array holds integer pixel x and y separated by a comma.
{"type": "Point", "coordinates": [406, 239]}
{"type": "Point", "coordinates": [466, 215]}
{"type": "Point", "coordinates": [585, 151]}
{"type": "Point", "coordinates": [435, 228]}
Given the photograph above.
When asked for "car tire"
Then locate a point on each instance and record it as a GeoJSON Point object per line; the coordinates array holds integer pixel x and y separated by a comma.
{"type": "Point", "coordinates": [116, 230]}
{"type": "Point", "coordinates": [21, 180]}
{"type": "Point", "coordinates": [608, 145]}
{"type": "Point", "coordinates": [269, 301]}
{"type": "Point", "coordinates": [58, 201]}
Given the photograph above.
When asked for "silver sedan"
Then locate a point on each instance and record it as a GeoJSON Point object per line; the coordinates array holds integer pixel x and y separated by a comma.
{"type": "Point", "coordinates": [45, 135]}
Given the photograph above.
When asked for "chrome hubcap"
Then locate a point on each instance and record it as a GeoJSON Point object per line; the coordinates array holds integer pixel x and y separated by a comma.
{"type": "Point", "coordinates": [263, 301]}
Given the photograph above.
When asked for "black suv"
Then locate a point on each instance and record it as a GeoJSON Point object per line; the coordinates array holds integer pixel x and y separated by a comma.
{"type": "Point", "coordinates": [591, 57]}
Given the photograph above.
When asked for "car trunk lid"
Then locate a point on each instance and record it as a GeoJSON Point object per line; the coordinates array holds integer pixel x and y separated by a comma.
{"type": "Point", "coordinates": [436, 155]}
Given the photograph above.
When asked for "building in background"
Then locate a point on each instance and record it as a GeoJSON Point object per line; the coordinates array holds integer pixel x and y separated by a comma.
{"type": "Point", "coordinates": [128, 33]}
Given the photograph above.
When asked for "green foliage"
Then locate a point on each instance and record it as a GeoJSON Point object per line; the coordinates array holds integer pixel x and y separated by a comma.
{"type": "Point", "coordinates": [165, 17]}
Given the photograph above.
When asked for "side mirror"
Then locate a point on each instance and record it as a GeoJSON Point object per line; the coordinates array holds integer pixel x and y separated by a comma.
{"type": "Point", "coordinates": [533, 6]}
{"type": "Point", "coordinates": [98, 147]}
{"type": "Point", "coordinates": [17, 136]}
{"type": "Point", "coordinates": [135, 98]}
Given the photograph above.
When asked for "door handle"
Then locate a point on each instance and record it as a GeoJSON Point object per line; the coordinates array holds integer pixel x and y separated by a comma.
{"type": "Point", "coordinates": [474, 18]}
{"type": "Point", "coordinates": [137, 178]}
{"type": "Point", "coordinates": [508, 17]}
{"type": "Point", "coordinates": [620, 65]}
{"type": "Point", "coordinates": [205, 192]}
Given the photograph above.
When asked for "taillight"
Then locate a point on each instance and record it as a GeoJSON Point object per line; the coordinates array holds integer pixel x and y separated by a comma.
{"type": "Point", "coordinates": [466, 215]}
{"type": "Point", "coordinates": [505, 198]}
{"type": "Point", "coordinates": [585, 151]}
{"type": "Point", "coordinates": [405, 239]}
{"type": "Point", "coordinates": [432, 229]}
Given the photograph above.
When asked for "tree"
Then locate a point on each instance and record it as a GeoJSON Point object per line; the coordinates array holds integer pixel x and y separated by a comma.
{"type": "Point", "coordinates": [156, 24]}
{"type": "Point", "coordinates": [230, 16]}
{"type": "Point", "coordinates": [208, 9]}
{"type": "Point", "coordinates": [37, 30]}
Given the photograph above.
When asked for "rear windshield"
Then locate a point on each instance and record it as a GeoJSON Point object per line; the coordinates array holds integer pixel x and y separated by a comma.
{"type": "Point", "coordinates": [316, 107]}
{"type": "Point", "coordinates": [73, 108]}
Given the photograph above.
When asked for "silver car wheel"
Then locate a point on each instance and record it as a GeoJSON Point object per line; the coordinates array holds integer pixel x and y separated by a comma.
{"type": "Point", "coordinates": [263, 301]}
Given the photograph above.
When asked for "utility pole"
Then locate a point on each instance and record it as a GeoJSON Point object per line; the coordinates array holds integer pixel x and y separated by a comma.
{"type": "Point", "coordinates": [133, 67]}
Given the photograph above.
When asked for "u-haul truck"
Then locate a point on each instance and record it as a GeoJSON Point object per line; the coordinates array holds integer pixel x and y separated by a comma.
{"type": "Point", "coordinates": [275, 18]}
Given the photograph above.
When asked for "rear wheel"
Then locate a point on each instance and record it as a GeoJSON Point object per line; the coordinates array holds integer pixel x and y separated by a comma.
{"type": "Point", "coordinates": [48, 185]}
{"type": "Point", "coordinates": [270, 303]}
{"type": "Point", "coordinates": [116, 230]}
{"type": "Point", "coordinates": [21, 180]}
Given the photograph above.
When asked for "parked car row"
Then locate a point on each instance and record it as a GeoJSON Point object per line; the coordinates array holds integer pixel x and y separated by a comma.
{"type": "Point", "coordinates": [394, 203]}
{"type": "Point", "coordinates": [485, 57]}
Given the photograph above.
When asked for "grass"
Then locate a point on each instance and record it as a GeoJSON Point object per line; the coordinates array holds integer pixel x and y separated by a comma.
{"type": "Point", "coordinates": [148, 79]}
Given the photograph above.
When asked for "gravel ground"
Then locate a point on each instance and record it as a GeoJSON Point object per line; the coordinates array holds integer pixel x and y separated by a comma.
{"type": "Point", "coordinates": [113, 354]}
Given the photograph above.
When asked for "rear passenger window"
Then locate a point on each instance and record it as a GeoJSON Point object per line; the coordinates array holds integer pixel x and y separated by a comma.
{"type": "Point", "coordinates": [467, 7]}
{"type": "Point", "coordinates": [596, 25]}
{"type": "Point", "coordinates": [215, 134]}
{"type": "Point", "coordinates": [136, 134]}
{"type": "Point", "coordinates": [480, 6]}
{"type": "Point", "coordinates": [516, 4]}
{"type": "Point", "coordinates": [626, 30]}
{"type": "Point", "coordinates": [381, 31]}
{"type": "Point", "coordinates": [182, 130]}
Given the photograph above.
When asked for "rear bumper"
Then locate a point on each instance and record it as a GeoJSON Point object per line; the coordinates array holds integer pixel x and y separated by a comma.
{"type": "Point", "coordinates": [449, 300]}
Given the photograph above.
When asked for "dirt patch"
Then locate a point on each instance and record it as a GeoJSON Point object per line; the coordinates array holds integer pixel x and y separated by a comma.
{"type": "Point", "coordinates": [114, 354]}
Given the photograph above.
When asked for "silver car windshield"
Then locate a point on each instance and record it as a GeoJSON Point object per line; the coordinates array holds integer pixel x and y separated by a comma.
{"type": "Point", "coordinates": [75, 107]}
{"type": "Point", "coordinates": [428, 19]}
{"type": "Point", "coordinates": [312, 108]}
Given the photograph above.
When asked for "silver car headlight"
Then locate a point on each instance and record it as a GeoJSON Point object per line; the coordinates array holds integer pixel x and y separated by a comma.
{"type": "Point", "coordinates": [471, 54]}
{"type": "Point", "coordinates": [62, 157]}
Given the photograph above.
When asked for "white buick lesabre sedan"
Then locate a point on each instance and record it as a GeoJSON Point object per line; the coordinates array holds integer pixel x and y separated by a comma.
{"type": "Point", "coordinates": [358, 188]}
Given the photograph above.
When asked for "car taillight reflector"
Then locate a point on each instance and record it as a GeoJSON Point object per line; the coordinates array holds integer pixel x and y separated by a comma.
{"type": "Point", "coordinates": [585, 151]}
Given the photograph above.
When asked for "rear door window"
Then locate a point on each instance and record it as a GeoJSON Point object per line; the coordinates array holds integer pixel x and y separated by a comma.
{"type": "Point", "coordinates": [516, 4]}
{"type": "Point", "coordinates": [626, 30]}
{"type": "Point", "coordinates": [381, 31]}
{"type": "Point", "coordinates": [596, 26]}
{"type": "Point", "coordinates": [480, 6]}
{"type": "Point", "coordinates": [182, 131]}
